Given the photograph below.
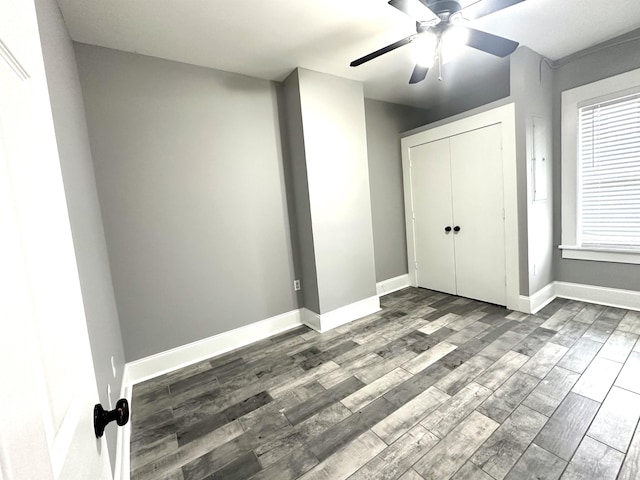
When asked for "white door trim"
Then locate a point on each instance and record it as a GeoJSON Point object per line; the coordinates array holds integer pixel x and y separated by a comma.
{"type": "Point", "coordinates": [504, 115]}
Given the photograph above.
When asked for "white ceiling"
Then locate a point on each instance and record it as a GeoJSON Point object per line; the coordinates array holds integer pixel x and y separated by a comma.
{"type": "Point", "coordinates": [269, 38]}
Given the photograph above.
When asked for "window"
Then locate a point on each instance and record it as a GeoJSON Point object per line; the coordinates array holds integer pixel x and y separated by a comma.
{"type": "Point", "coordinates": [601, 170]}
{"type": "Point", "coordinates": [609, 173]}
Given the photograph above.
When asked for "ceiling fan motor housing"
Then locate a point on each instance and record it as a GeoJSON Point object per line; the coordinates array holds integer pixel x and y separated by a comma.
{"type": "Point", "coordinates": [443, 8]}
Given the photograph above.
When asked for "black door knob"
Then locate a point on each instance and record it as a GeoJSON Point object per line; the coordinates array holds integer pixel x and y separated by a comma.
{"type": "Point", "coordinates": [447, 229]}
{"type": "Point", "coordinates": [101, 417]}
{"type": "Point", "coordinates": [456, 229]}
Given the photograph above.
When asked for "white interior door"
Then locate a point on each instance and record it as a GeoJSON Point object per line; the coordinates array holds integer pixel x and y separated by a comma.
{"type": "Point", "coordinates": [478, 209]}
{"type": "Point", "coordinates": [432, 213]}
{"type": "Point", "coordinates": [48, 386]}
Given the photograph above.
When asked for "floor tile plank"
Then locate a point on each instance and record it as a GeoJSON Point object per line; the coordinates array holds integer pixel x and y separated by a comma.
{"type": "Point", "coordinates": [580, 355]}
{"type": "Point", "coordinates": [394, 460]}
{"type": "Point", "coordinates": [617, 419]}
{"type": "Point", "coordinates": [537, 464]}
{"type": "Point", "coordinates": [544, 360]}
{"type": "Point", "coordinates": [629, 377]}
{"type": "Point", "coordinates": [505, 400]}
{"type": "Point", "coordinates": [564, 430]}
{"type": "Point", "coordinates": [445, 418]}
{"type": "Point", "coordinates": [500, 371]}
{"type": "Point", "coordinates": [594, 460]}
{"type": "Point", "coordinates": [448, 456]}
{"type": "Point", "coordinates": [347, 460]}
{"type": "Point", "coordinates": [618, 346]}
{"type": "Point", "coordinates": [428, 357]}
{"type": "Point", "coordinates": [367, 394]}
{"type": "Point", "coordinates": [597, 379]}
{"type": "Point", "coordinates": [550, 392]}
{"type": "Point", "coordinates": [631, 466]}
{"type": "Point", "coordinates": [503, 449]}
{"type": "Point", "coordinates": [406, 417]}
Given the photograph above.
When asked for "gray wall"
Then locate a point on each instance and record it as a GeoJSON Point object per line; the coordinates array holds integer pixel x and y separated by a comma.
{"type": "Point", "coordinates": [83, 206]}
{"type": "Point", "coordinates": [295, 163]}
{"type": "Point", "coordinates": [531, 90]}
{"type": "Point", "coordinates": [587, 67]}
{"type": "Point", "coordinates": [385, 121]}
{"type": "Point", "coordinates": [190, 178]}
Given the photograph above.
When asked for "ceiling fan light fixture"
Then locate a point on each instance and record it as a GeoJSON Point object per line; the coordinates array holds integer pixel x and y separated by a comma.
{"type": "Point", "coordinates": [457, 18]}
{"type": "Point", "coordinates": [454, 41]}
{"type": "Point", "coordinates": [424, 49]}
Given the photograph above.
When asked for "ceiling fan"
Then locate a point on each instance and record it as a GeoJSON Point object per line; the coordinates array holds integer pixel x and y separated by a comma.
{"type": "Point", "coordinates": [440, 24]}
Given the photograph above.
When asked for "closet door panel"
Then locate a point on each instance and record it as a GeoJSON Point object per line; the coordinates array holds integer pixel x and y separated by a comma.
{"type": "Point", "coordinates": [431, 198]}
{"type": "Point", "coordinates": [478, 202]}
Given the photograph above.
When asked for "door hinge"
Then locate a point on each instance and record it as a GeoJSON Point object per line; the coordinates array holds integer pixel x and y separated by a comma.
{"type": "Point", "coordinates": [416, 265]}
{"type": "Point", "coordinates": [503, 214]}
{"type": "Point", "coordinates": [413, 215]}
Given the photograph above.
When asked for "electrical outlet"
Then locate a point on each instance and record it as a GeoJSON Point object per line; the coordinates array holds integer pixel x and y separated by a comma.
{"type": "Point", "coordinates": [296, 285]}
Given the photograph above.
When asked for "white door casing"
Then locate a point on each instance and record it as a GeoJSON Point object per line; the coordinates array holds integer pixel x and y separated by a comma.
{"type": "Point", "coordinates": [432, 213]}
{"type": "Point", "coordinates": [504, 116]}
{"type": "Point", "coordinates": [48, 386]}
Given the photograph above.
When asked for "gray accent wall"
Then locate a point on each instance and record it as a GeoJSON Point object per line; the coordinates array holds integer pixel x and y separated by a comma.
{"type": "Point", "coordinates": [385, 121]}
{"type": "Point", "coordinates": [602, 61]}
{"type": "Point", "coordinates": [83, 206]}
{"type": "Point", "coordinates": [189, 169]}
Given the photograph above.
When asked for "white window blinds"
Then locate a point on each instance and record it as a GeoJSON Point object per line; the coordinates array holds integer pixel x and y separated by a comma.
{"type": "Point", "coordinates": [609, 174]}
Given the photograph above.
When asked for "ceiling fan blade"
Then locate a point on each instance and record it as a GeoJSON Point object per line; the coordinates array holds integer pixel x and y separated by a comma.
{"type": "Point", "coordinates": [419, 74]}
{"type": "Point", "coordinates": [493, 44]}
{"type": "Point", "coordinates": [485, 7]}
{"type": "Point", "coordinates": [416, 10]}
{"type": "Point", "coordinates": [382, 51]}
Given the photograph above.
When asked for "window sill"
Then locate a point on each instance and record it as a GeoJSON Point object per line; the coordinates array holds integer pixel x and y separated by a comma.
{"type": "Point", "coordinates": [600, 254]}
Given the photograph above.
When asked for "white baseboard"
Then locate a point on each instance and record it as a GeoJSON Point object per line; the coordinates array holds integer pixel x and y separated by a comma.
{"type": "Point", "coordinates": [392, 284]}
{"type": "Point", "coordinates": [326, 321]}
{"type": "Point", "coordinates": [311, 319]}
{"type": "Point", "coordinates": [612, 297]}
{"type": "Point", "coordinates": [164, 362]}
{"type": "Point", "coordinates": [538, 300]}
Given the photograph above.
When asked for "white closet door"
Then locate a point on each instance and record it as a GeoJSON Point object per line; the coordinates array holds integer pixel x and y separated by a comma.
{"type": "Point", "coordinates": [478, 202]}
{"type": "Point", "coordinates": [431, 198]}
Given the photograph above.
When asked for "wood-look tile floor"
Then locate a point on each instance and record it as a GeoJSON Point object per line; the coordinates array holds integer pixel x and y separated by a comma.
{"type": "Point", "coordinates": [432, 387]}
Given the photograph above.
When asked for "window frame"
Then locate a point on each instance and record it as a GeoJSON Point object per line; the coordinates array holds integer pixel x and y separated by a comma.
{"type": "Point", "coordinates": [572, 100]}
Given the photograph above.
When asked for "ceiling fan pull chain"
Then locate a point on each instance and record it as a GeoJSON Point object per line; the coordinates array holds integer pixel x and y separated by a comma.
{"type": "Point", "coordinates": [439, 54]}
